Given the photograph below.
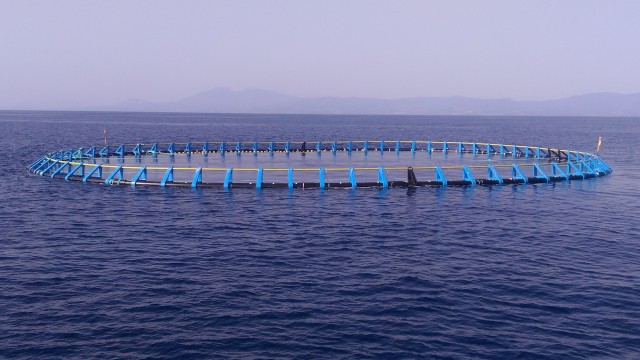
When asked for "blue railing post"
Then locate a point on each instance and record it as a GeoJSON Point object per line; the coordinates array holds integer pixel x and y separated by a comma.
{"type": "Point", "coordinates": [397, 147]}
{"type": "Point", "coordinates": [153, 150]}
{"type": "Point", "coordinates": [70, 173]}
{"type": "Point", "coordinates": [118, 171]}
{"type": "Point", "coordinates": [168, 176]}
{"type": "Point", "coordinates": [228, 178]}
{"type": "Point", "coordinates": [90, 173]}
{"type": "Point", "coordinates": [49, 167]}
{"type": "Point", "coordinates": [104, 152]}
{"type": "Point", "coordinates": [91, 152]}
{"type": "Point", "coordinates": [141, 175]}
{"type": "Point", "coordinates": [413, 147]}
{"type": "Point", "coordinates": [382, 177]}
{"type": "Point", "coordinates": [290, 178]}
{"type": "Point", "coordinates": [366, 147]}
{"type": "Point", "coordinates": [557, 171]}
{"type": "Point", "coordinates": [197, 177]}
{"type": "Point", "coordinates": [517, 173]}
{"type": "Point", "coordinates": [59, 169]}
{"type": "Point", "coordinates": [321, 178]}
{"type": "Point", "coordinates": [223, 149]}
{"type": "Point", "coordinates": [538, 173]}
{"type": "Point", "coordinates": [493, 174]}
{"type": "Point", "coordinates": [352, 178]}
{"type": "Point", "coordinates": [259, 178]}
{"type": "Point", "coordinates": [467, 176]}
{"type": "Point", "coordinates": [349, 147]}
{"type": "Point", "coordinates": [440, 176]}
{"type": "Point", "coordinates": [572, 169]}
{"type": "Point", "coordinates": [37, 162]}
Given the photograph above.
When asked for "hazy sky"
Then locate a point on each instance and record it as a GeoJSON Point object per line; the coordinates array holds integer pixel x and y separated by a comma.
{"type": "Point", "coordinates": [103, 52]}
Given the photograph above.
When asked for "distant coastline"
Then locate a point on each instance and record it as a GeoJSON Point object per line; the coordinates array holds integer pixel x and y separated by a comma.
{"type": "Point", "coordinates": [253, 101]}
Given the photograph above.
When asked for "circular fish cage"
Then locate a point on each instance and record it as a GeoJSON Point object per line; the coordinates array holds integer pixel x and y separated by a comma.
{"type": "Point", "coordinates": [319, 165]}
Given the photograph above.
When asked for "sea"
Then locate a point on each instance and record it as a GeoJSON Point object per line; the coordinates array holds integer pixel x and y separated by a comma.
{"type": "Point", "coordinates": [546, 271]}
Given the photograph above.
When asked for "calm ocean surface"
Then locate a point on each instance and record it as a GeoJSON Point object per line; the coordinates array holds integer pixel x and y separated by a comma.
{"type": "Point", "coordinates": [513, 272]}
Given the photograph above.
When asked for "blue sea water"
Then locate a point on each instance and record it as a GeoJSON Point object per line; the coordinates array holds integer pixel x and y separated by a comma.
{"type": "Point", "coordinates": [516, 272]}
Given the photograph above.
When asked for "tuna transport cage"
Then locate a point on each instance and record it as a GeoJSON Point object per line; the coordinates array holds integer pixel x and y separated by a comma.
{"type": "Point", "coordinates": [318, 164]}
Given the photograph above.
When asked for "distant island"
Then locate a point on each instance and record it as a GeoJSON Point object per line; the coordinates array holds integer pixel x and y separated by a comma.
{"type": "Point", "coordinates": [223, 100]}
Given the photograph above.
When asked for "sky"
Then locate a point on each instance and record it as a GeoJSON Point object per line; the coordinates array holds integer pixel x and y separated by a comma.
{"type": "Point", "coordinates": [84, 52]}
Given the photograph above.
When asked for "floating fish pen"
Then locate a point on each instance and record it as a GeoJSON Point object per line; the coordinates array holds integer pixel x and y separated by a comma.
{"type": "Point", "coordinates": [319, 165]}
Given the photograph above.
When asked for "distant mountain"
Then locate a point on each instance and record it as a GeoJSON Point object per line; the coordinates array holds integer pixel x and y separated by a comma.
{"type": "Point", "coordinates": [223, 100]}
